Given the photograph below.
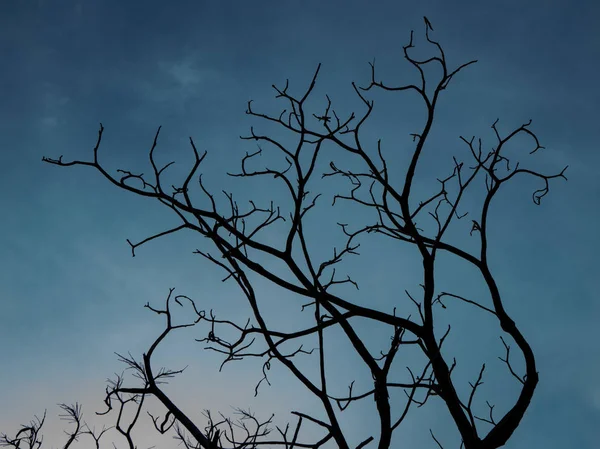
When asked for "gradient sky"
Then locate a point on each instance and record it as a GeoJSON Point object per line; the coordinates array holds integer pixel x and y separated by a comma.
{"type": "Point", "coordinates": [71, 294]}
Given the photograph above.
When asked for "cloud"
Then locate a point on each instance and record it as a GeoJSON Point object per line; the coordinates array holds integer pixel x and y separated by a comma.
{"type": "Point", "coordinates": [171, 86]}
{"type": "Point", "coordinates": [53, 106]}
{"type": "Point", "coordinates": [176, 81]}
{"type": "Point", "coordinates": [185, 73]}
{"type": "Point", "coordinates": [49, 121]}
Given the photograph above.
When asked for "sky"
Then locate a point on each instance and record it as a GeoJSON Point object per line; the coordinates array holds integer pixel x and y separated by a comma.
{"type": "Point", "coordinates": [71, 295]}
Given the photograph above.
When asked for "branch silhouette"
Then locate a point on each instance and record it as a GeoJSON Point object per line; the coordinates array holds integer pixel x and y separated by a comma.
{"type": "Point", "coordinates": [393, 210]}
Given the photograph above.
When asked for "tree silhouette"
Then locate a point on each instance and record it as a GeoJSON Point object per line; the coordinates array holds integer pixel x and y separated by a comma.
{"type": "Point", "coordinates": [390, 205]}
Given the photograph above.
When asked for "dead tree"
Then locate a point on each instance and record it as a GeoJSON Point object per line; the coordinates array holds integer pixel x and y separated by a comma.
{"type": "Point", "coordinates": [237, 236]}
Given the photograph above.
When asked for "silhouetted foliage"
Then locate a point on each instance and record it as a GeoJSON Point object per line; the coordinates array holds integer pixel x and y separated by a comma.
{"type": "Point", "coordinates": [385, 199]}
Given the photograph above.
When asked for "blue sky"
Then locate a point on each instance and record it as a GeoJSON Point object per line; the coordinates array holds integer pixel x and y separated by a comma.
{"type": "Point", "coordinates": [71, 294]}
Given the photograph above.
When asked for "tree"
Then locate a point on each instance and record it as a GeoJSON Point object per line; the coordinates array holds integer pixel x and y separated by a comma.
{"type": "Point", "coordinates": [389, 202]}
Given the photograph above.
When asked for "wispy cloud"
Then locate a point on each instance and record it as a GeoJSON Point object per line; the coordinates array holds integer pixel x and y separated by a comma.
{"type": "Point", "coordinates": [176, 82]}
{"type": "Point", "coordinates": [54, 105]}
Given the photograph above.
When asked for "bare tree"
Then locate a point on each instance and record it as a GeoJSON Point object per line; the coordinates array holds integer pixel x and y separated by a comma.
{"type": "Point", "coordinates": [30, 436]}
{"type": "Point", "coordinates": [393, 208]}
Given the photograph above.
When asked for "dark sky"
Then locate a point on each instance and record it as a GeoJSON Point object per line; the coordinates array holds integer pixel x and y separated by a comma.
{"type": "Point", "coordinates": [71, 294]}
